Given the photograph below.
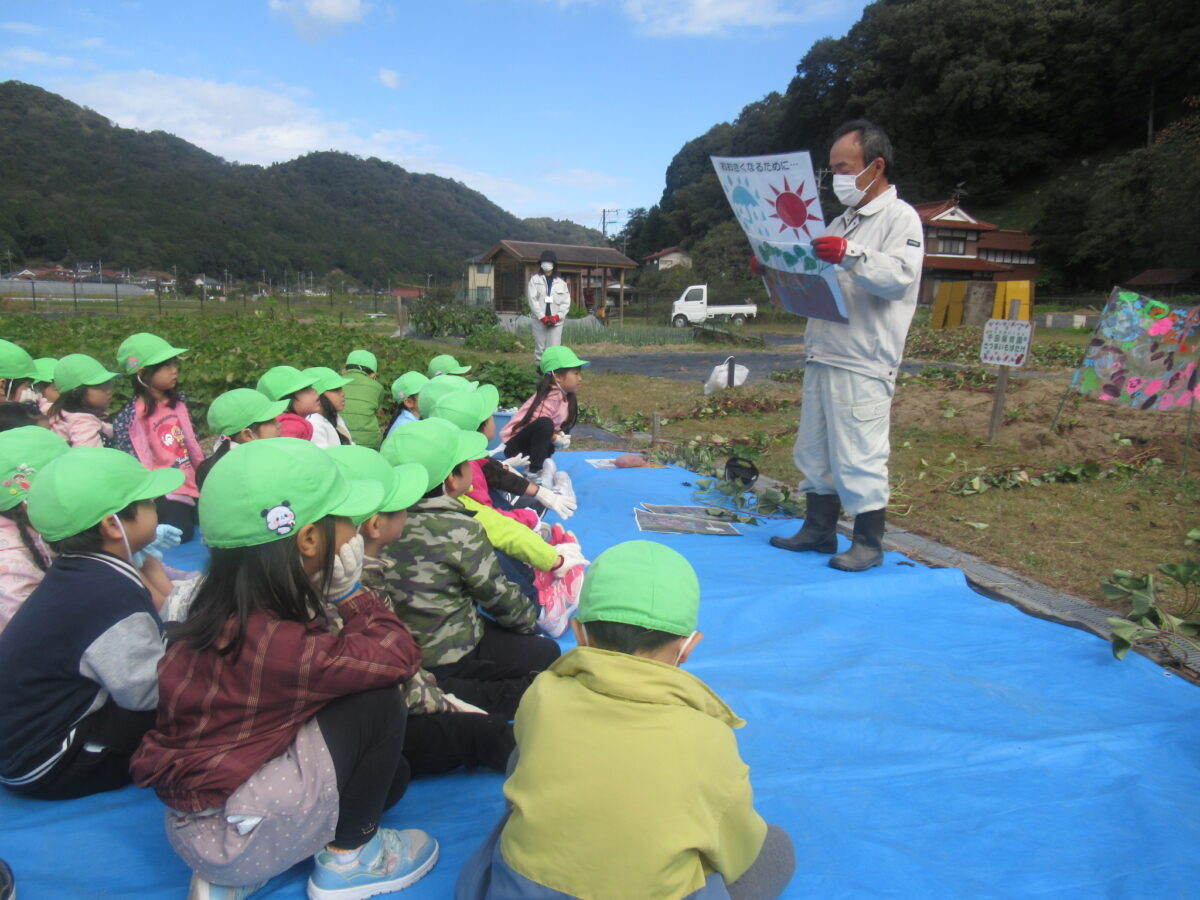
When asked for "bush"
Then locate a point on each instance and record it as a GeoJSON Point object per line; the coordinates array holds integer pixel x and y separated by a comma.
{"type": "Point", "coordinates": [493, 339]}
{"type": "Point", "coordinates": [439, 316]}
{"type": "Point", "coordinates": [515, 383]}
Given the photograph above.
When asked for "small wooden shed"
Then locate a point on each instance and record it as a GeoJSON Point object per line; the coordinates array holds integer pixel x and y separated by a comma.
{"type": "Point", "coordinates": [587, 271]}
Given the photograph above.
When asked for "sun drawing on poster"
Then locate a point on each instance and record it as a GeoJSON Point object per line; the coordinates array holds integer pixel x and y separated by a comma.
{"type": "Point", "coordinates": [792, 209]}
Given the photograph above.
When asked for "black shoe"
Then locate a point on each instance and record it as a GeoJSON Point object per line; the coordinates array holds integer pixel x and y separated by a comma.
{"type": "Point", "coordinates": [867, 550]}
{"type": "Point", "coordinates": [8, 887]}
{"type": "Point", "coordinates": [819, 531]}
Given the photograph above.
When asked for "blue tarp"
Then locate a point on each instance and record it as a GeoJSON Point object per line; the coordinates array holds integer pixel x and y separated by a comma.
{"type": "Point", "coordinates": [915, 738]}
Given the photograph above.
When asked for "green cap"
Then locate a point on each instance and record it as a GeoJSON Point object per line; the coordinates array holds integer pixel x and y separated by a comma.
{"type": "Point", "coordinates": [266, 490]}
{"type": "Point", "coordinates": [240, 408]}
{"type": "Point", "coordinates": [560, 357]}
{"type": "Point", "coordinates": [437, 387]}
{"type": "Point", "coordinates": [408, 384]}
{"type": "Point", "coordinates": [364, 358]}
{"type": "Point", "coordinates": [144, 349]}
{"type": "Point", "coordinates": [445, 364]}
{"type": "Point", "coordinates": [283, 381]}
{"type": "Point", "coordinates": [77, 369]}
{"type": "Point", "coordinates": [402, 485]}
{"type": "Point", "coordinates": [15, 362]}
{"type": "Point", "coordinates": [23, 451]}
{"type": "Point", "coordinates": [468, 409]}
{"type": "Point", "coordinates": [641, 583]}
{"type": "Point", "coordinates": [78, 489]}
{"type": "Point", "coordinates": [326, 379]}
{"type": "Point", "coordinates": [436, 444]}
{"type": "Point", "coordinates": [45, 369]}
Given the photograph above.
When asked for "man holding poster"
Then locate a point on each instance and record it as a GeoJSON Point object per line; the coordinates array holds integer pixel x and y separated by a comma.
{"type": "Point", "coordinates": [842, 446]}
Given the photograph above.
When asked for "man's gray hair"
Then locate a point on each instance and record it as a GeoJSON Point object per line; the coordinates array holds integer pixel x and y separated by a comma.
{"type": "Point", "coordinates": [875, 142]}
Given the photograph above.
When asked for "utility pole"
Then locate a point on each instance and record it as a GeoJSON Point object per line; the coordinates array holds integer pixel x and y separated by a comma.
{"type": "Point", "coordinates": [604, 220]}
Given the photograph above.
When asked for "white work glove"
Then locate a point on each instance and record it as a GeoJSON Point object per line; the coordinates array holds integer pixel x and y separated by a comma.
{"type": "Point", "coordinates": [165, 537]}
{"type": "Point", "coordinates": [569, 556]}
{"type": "Point", "coordinates": [519, 461]}
{"type": "Point", "coordinates": [463, 706]}
{"type": "Point", "coordinates": [347, 570]}
{"type": "Point", "coordinates": [561, 505]}
{"type": "Point", "coordinates": [563, 442]}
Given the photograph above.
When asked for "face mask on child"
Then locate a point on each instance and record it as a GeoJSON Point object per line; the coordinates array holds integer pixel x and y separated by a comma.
{"type": "Point", "coordinates": [125, 538]}
{"type": "Point", "coordinates": [683, 647]}
{"type": "Point", "coordinates": [547, 267]}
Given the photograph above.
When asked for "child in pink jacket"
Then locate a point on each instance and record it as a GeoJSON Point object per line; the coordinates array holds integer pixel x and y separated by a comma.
{"type": "Point", "coordinates": [80, 414]}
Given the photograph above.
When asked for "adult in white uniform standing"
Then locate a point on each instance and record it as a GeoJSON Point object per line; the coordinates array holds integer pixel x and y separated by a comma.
{"type": "Point", "coordinates": [843, 444]}
{"type": "Point", "coordinates": [549, 302]}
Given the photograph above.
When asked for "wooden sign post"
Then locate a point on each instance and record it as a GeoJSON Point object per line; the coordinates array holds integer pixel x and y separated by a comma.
{"type": "Point", "coordinates": [1005, 344]}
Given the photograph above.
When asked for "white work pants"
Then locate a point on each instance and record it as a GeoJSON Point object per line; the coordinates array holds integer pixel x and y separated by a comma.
{"type": "Point", "coordinates": [545, 336]}
{"type": "Point", "coordinates": [843, 443]}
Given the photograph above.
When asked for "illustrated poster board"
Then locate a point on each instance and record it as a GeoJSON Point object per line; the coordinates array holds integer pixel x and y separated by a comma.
{"type": "Point", "coordinates": [1144, 354]}
{"type": "Point", "coordinates": [664, 524]}
{"type": "Point", "coordinates": [775, 200]}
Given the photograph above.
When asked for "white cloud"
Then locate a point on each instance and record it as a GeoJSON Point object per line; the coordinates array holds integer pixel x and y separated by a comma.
{"type": "Point", "coordinates": [312, 19]}
{"type": "Point", "coordinates": [30, 56]}
{"type": "Point", "coordinates": [586, 179]}
{"type": "Point", "coordinates": [237, 122]}
{"type": "Point", "coordinates": [257, 125]}
{"type": "Point", "coordinates": [694, 18]}
{"type": "Point", "coordinates": [22, 27]}
{"type": "Point", "coordinates": [92, 43]}
{"type": "Point", "coordinates": [390, 78]}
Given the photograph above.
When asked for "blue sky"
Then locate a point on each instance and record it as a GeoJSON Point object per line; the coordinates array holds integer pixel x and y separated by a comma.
{"type": "Point", "coordinates": [555, 108]}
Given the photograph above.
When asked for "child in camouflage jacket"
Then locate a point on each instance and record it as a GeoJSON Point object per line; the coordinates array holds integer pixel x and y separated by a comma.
{"type": "Point", "coordinates": [446, 567]}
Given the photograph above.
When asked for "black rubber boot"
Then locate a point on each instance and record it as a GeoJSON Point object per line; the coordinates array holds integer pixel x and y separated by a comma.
{"type": "Point", "coordinates": [819, 531]}
{"type": "Point", "coordinates": [867, 550]}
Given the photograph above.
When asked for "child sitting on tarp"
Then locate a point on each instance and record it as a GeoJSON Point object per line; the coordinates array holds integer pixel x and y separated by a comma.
{"type": "Point", "coordinates": [446, 566]}
{"type": "Point", "coordinates": [364, 397]}
{"type": "Point", "coordinates": [545, 420]}
{"type": "Point", "coordinates": [474, 411]}
{"type": "Point", "coordinates": [79, 659]}
{"type": "Point", "coordinates": [659, 801]}
{"type": "Point", "coordinates": [443, 731]}
{"type": "Point", "coordinates": [276, 740]}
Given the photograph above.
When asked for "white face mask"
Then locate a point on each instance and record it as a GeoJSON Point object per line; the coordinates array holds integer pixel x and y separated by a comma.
{"type": "Point", "coordinates": [845, 189]}
{"type": "Point", "coordinates": [547, 267]}
{"type": "Point", "coordinates": [683, 647]}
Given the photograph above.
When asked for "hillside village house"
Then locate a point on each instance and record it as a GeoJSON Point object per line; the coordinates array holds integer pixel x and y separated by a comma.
{"type": "Point", "coordinates": [960, 247]}
{"type": "Point", "coordinates": [670, 258]}
{"type": "Point", "coordinates": [503, 272]}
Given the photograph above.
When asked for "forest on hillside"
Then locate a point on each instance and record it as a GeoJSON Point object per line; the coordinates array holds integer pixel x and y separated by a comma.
{"type": "Point", "coordinates": [77, 187]}
{"type": "Point", "coordinates": [1089, 107]}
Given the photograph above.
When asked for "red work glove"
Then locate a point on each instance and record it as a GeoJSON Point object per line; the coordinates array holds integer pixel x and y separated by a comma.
{"type": "Point", "coordinates": [555, 320]}
{"type": "Point", "coordinates": [830, 248]}
{"type": "Point", "coordinates": [756, 266]}
{"type": "Point", "coordinates": [547, 321]}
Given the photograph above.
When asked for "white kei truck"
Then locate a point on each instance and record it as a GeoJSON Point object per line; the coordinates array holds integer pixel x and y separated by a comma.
{"type": "Point", "coordinates": [693, 308]}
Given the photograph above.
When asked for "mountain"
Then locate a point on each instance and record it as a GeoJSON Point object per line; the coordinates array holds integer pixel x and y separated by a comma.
{"type": "Point", "coordinates": [998, 100]}
{"type": "Point", "coordinates": [74, 186]}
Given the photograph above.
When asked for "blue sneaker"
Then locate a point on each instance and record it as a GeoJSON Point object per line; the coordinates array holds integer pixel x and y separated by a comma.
{"type": "Point", "coordinates": [206, 890]}
{"type": "Point", "coordinates": [390, 861]}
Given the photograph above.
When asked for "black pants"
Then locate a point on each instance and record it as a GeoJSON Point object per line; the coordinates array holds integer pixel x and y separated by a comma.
{"type": "Point", "coordinates": [365, 736]}
{"type": "Point", "coordinates": [181, 515]}
{"type": "Point", "coordinates": [496, 673]}
{"type": "Point", "coordinates": [519, 574]}
{"type": "Point", "coordinates": [535, 440]}
{"type": "Point", "coordinates": [442, 742]}
{"type": "Point", "coordinates": [98, 758]}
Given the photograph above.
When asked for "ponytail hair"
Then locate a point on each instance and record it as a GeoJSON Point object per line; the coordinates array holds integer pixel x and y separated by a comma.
{"type": "Point", "coordinates": [20, 518]}
{"type": "Point", "coordinates": [545, 386]}
{"type": "Point", "coordinates": [331, 415]}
